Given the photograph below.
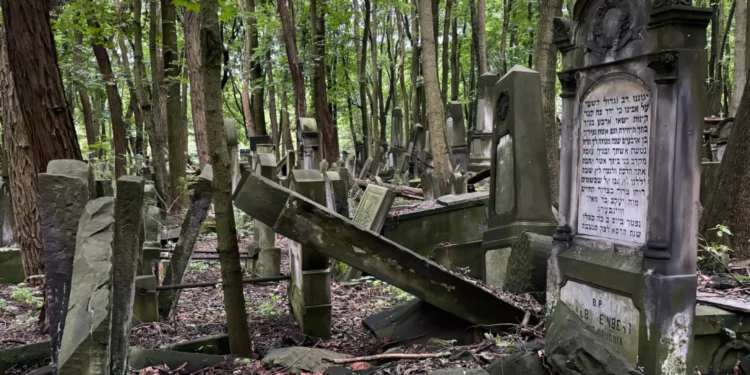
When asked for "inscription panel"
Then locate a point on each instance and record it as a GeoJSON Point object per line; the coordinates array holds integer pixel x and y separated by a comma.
{"type": "Point", "coordinates": [611, 316]}
{"type": "Point", "coordinates": [615, 126]}
{"type": "Point", "coordinates": [370, 206]}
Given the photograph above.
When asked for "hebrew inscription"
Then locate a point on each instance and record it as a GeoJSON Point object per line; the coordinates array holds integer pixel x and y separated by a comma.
{"type": "Point", "coordinates": [615, 124]}
{"type": "Point", "coordinates": [370, 206]}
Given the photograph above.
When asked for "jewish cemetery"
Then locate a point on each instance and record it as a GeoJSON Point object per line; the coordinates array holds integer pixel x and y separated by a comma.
{"type": "Point", "coordinates": [364, 187]}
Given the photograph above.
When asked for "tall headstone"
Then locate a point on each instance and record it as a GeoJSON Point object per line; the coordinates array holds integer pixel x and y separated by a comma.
{"type": "Point", "coordinates": [481, 136]}
{"type": "Point", "coordinates": [63, 194]}
{"type": "Point", "coordinates": [310, 288]}
{"type": "Point", "coordinates": [398, 143]}
{"type": "Point", "coordinates": [634, 100]}
{"type": "Point", "coordinates": [456, 132]}
{"type": "Point", "coordinates": [310, 145]}
{"type": "Point", "coordinates": [268, 256]}
{"type": "Point", "coordinates": [230, 127]}
{"type": "Point", "coordinates": [85, 347]}
{"type": "Point", "coordinates": [128, 216]}
{"type": "Point", "coordinates": [519, 178]}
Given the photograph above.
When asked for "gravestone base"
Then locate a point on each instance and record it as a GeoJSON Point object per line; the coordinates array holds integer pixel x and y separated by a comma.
{"type": "Point", "coordinates": [504, 236]}
{"type": "Point", "coordinates": [495, 266]}
{"type": "Point", "coordinates": [145, 303]}
{"type": "Point", "coordinates": [480, 156]}
{"type": "Point", "coordinates": [314, 320]}
{"type": "Point", "coordinates": [268, 263]}
{"type": "Point", "coordinates": [467, 259]}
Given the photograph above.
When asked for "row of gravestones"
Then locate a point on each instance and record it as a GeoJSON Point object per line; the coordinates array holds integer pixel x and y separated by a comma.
{"type": "Point", "coordinates": [92, 249]}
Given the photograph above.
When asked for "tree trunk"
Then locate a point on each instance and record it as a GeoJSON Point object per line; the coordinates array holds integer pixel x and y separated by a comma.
{"type": "Point", "coordinates": [290, 43]}
{"type": "Point", "coordinates": [455, 68]}
{"type": "Point", "coordinates": [741, 54]}
{"type": "Point", "coordinates": [229, 255]}
{"type": "Point", "coordinates": [441, 161]}
{"type": "Point", "coordinates": [92, 131]}
{"type": "Point", "coordinates": [193, 54]}
{"type": "Point", "coordinates": [402, 76]}
{"type": "Point", "coordinates": [135, 105]}
{"type": "Point", "coordinates": [504, 38]}
{"type": "Point", "coordinates": [546, 65]}
{"type": "Point", "coordinates": [446, 49]}
{"type": "Point", "coordinates": [17, 140]}
{"type": "Point", "coordinates": [374, 74]}
{"type": "Point", "coordinates": [416, 55]}
{"type": "Point", "coordinates": [362, 75]}
{"type": "Point", "coordinates": [254, 64]}
{"type": "Point", "coordinates": [272, 104]}
{"type": "Point", "coordinates": [320, 89]}
{"type": "Point", "coordinates": [158, 139]}
{"type": "Point", "coordinates": [481, 32]}
{"type": "Point", "coordinates": [286, 129]}
{"type": "Point", "coordinates": [176, 128]}
{"type": "Point", "coordinates": [119, 137]}
{"type": "Point", "coordinates": [714, 82]}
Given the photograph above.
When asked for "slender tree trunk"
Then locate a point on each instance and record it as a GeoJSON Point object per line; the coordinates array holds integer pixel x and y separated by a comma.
{"type": "Point", "coordinates": [546, 65]}
{"type": "Point", "coordinates": [362, 74]}
{"type": "Point", "coordinates": [92, 131]}
{"type": "Point", "coordinates": [375, 74]}
{"type": "Point", "coordinates": [229, 254]}
{"type": "Point", "coordinates": [286, 129]}
{"type": "Point", "coordinates": [250, 30]}
{"type": "Point", "coordinates": [441, 161]}
{"type": "Point", "coordinates": [176, 128]}
{"type": "Point", "coordinates": [455, 69]}
{"type": "Point", "coordinates": [125, 63]}
{"type": "Point", "coordinates": [158, 139]}
{"type": "Point", "coordinates": [741, 54]}
{"type": "Point", "coordinates": [416, 56]}
{"type": "Point", "coordinates": [481, 32]}
{"type": "Point", "coordinates": [290, 43]}
{"type": "Point", "coordinates": [504, 38]}
{"type": "Point", "coordinates": [17, 140]}
{"type": "Point", "coordinates": [254, 59]}
{"type": "Point", "coordinates": [272, 104]}
{"type": "Point", "coordinates": [320, 89]}
{"type": "Point", "coordinates": [119, 137]}
{"type": "Point", "coordinates": [714, 65]}
{"type": "Point", "coordinates": [446, 49]}
{"type": "Point", "coordinates": [41, 127]}
{"type": "Point", "coordinates": [402, 74]}
{"type": "Point", "coordinates": [193, 54]}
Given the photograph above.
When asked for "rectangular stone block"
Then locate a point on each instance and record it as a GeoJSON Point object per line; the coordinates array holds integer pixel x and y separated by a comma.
{"type": "Point", "coordinates": [11, 266]}
{"type": "Point", "coordinates": [146, 303]}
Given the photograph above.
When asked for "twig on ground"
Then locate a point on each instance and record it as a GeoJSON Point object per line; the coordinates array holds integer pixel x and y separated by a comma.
{"type": "Point", "coordinates": [526, 318]}
{"type": "Point", "coordinates": [389, 356]}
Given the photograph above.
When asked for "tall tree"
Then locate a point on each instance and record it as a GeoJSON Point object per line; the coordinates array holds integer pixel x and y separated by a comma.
{"type": "Point", "coordinates": [441, 161]}
{"type": "Point", "coordinates": [508, 6]}
{"type": "Point", "coordinates": [272, 104]}
{"type": "Point", "coordinates": [119, 136]}
{"type": "Point", "coordinates": [320, 88]}
{"type": "Point", "coordinates": [446, 49]}
{"type": "Point", "coordinates": [295, 67]}
{"type": "Point", "coordinates": [455, 68]}
{"type": "Point", "coordinates": [715, 59]}
{"type": "Point", "coordinates": [546, 65]}
{"type": "Point", "coordinates": [481, 31]}
{"type": "Point", "coordinates": [176, 127]}
{"type": "Point", "coordinates": [92, 131]}
{"type": "Point", "coordinates": [255, 57]}
{"type": "Point", "coordinates": [229, 254]}
{"type": "Point", "coordinates": [193, 54]}
{"type": "Point", "coordinates": [158, 140]}
{"type": "Point", "coordinates": [44, 116]}
{"type": "Point", "coordinates": [741, 54]}
{"type": "Point", "coordinates": [362, 71]}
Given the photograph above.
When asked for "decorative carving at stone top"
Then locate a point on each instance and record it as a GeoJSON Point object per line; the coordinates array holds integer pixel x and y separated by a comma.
{"type": "Point", "coordinates": [613, 28]}
{"type": "Point", "coordinates": [562, 29]}
{"type": "Point", "coordinates": [664, 3]}
{"type": "Point", "coordinates": [568, 80]}
{"type": "Point", "coordinates": [663, 62]}
{"type": "Point", "coordinates": [502, 106]}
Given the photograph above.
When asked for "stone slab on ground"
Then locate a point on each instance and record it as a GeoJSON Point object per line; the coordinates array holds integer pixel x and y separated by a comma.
{"type": "Point", "coordinates": [217, 345]}
{"type": "Point", "coordinates": [27, 355]}
{"type": "Point", "coordinates": [192, 362]}
{"type": "Point", "coordinates": [11, 266]}
{"type": "Point", "coordinates": [318, 228]}
{"type": "Point", "coordinates": [522, 363]}
{"type": "Point", "coordinates": [456, 199]}
{"type": "Point", "coordinates": [85, 344]}
{"type": "Point", "coordinates": [298, 359]}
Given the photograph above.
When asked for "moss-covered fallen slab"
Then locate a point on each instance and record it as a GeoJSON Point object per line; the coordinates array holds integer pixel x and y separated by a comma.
{"type": "Point", "coordinates": [314, 226]}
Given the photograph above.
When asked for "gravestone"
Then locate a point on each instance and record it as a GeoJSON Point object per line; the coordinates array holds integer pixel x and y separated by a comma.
{"type": "Point", "coordinates": [456, 133]}
{"type": "Point", "coordinates": [481, 136]}
{"type": "Point", "coordinates": [127, 248]}
{"type": "Point", "coordinates": [230, 127]}
{"type": "Point", "coordinates": [268, 256]}
{"type": "Point", "coordinates": [310, 288]}
{"type": "Point", "coordinates": [104, 188]}
{"type": "Point", "coordinates": [63, 194]}
{"type": "Point", "coordinates": [398, 143]}
{"type": "Point", "coordinates": [519, 178]}
{"type": "Point", "coordinates": [417, 137]}
{"type": "Point", "coordinates": [311, 150]}
{"type": "Point", "coordinates": [633, 102]}
{"type": "Point", "coordinates": [85, 345]}
{"type": "Point", "coordinates": [337, 192]}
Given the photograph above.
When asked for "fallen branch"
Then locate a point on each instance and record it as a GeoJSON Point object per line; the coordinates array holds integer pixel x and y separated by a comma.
{"type": "Point", "coordinates": [405, 191]}
{"type": "Point", "coordinates": [389, 356]}
{"type": "Point", "coordinates": [479, 177]}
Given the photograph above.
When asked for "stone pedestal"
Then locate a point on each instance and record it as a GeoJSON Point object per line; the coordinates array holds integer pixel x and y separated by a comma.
{"type": "Point", "coordinates": [519, 178]}
{"type": "Point", "coordinates": [633, 108]}
{"type": "Point", "coordinates": [456, 133]}
{"type": "Point", "coordinates": [267, 260]}
{"type": "Point", "coordinates": [310, 288]}
{"type": "Point", "coordinates": [310, 146]}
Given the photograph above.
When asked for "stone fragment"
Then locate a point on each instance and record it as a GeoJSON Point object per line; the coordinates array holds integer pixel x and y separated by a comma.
{"type": "Point", "coordinates": [145, 303]}
{"type": "Point", "coordinates": [104, 188]}
{"type": "Point", "coordinates": [298, 359]}
{"type": "Point", "coordinates": [525, 363]}
{"type": "Point", "coordinates": [85, 345]}
{"type": "Point", "coordinates": [11, 266]}
{"type": "Point", "coordinates": [190, 362]}
{"type": "Point", "coordinates": [63, 194]}
{"type": "Point", "coordinates": [26, 355]}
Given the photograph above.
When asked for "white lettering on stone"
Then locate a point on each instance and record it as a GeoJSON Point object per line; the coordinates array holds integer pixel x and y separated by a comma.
{"type": "Point", "coordinates": [612, 317]}
{"type": "Point", "coordinates": [615, 125]}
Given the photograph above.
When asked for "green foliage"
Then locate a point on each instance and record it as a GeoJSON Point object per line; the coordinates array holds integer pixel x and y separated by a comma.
{"type": "Point", "coordinates": [3, 304]}
{"type": "Point", "coordinates": [198, 267]}
{"type": "Point", "coordinates": [268, 308]}
{"type": "Point", "coordinates": [714, 255]}
{"type": "Point", "coordinates": [24, 294]}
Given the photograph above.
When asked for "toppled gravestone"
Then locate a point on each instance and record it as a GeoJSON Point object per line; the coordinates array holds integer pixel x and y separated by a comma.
{"type": "Point", "coordinates": [299, 359]}
{"type": "Point", "coordinates": [526, 363]}
{"type": "Point", "coordinates": [63, 194]}
{"type": "Point", "coordinates": [572, 349]}
{"type": "Point", "coordinates": [127, 246]}
{"type": "Point", "coordinates": [85, 342]}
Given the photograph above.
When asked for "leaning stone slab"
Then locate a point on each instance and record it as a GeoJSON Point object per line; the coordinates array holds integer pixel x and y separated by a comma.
{"type": "Point", "coordinates": [297, 360]}
{"type": "Point", "coordinates": [318, 228]}
{"type": "Point", "coordinates": [86, 342]}
{"type": "Point", "coordinates": [63, 193]}
{"type": "Point", "coordinates": [75, 168]}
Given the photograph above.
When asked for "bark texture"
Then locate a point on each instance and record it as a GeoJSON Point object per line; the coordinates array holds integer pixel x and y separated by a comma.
{"type": "Point", "coordinates": [320, 89]}
{"type": "Point", "coordinates": [158, 140]}
{"type": "Point", "coordinates": [741, 57]}
{"type": "Point", "coordinates": [290, 44]}
{"type": "Point", "coordinates": [193, 54]}
{"type": "Point", "coordinates": [229, 254]}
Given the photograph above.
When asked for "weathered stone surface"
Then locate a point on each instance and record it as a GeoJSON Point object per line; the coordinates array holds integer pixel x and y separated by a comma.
{"type": "Point", "coordinates": [128, 209]}
{"type": "Point", "coordinates": [572, 349]}
{"type": "Point", "coordinates": [454, 200]}
{"type": "Point", "coordinates": [523, 363]}
{"type": "Point", "coordinates": [63, 193]}
{"type": "Point", "coordinates": [268, 263]}
{"type": "Point", "coordinates": [374, 207]}
{"type": "Point", "coordinates": [86, 341]}
{"type": "Point", "coordinates": [11, 266]}
{"type": "Point", "coordinates": [7, 219]}
{"type": "Point", "coordinates": [152, 223]}
{"type": "Point", "coordinates": [26, 355]}
{"type": "Point", "coordinates": [526, 269]}
{"type": "Point", "coordinates": [315, 226]}
{"type": "Point", "coordinates": [145, 303]}
{"type": "Point", "coordinates": [467, 258]}
{"type": "Point", "coordinates": [300, 359]}
{"type": "Point", "coordinates": [104, 188]}
{"type": "Point", "coordinates": [200, 202]}
{"type": "Point", "coordinates": [465, 371]}
{"type": "Point", "coordinates": [192, 362]}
